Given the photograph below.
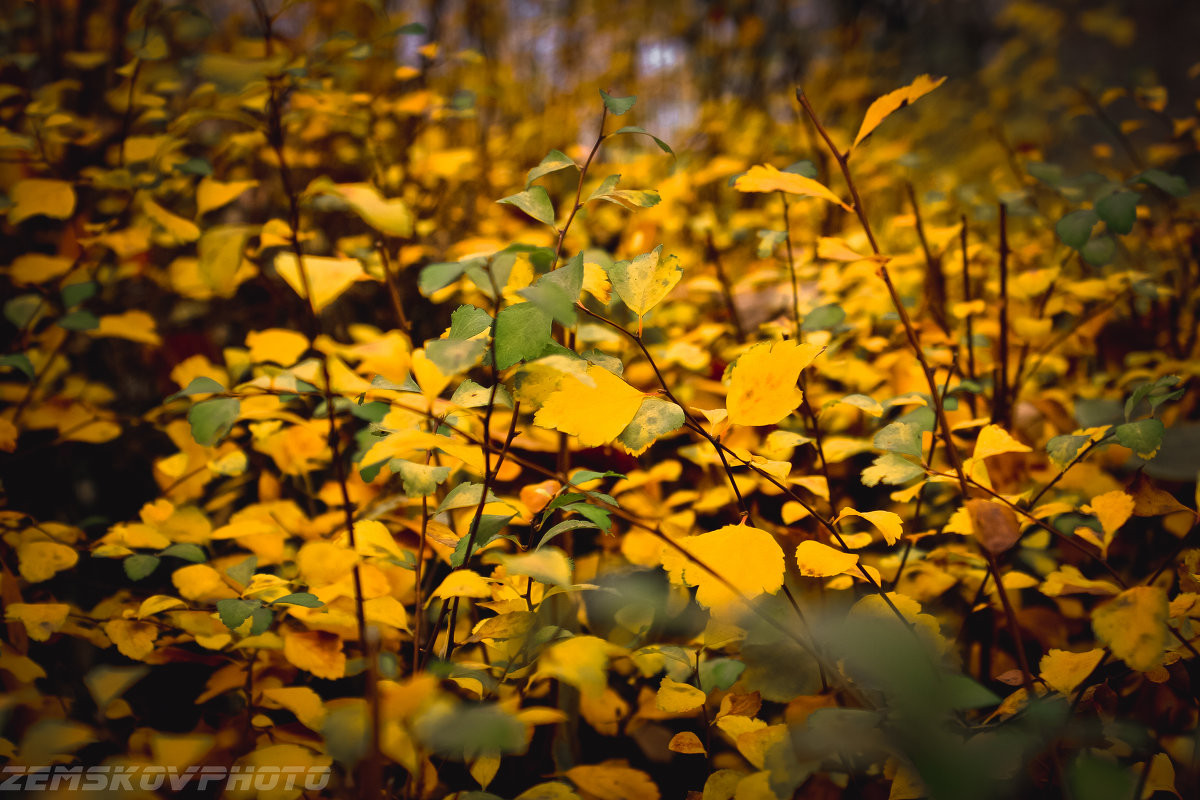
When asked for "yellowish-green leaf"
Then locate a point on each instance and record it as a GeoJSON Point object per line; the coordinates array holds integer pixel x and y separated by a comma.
{"type": "Point", "coordinates": [893, 101]}
{"type": "Point", "coordinates": [643, 282]}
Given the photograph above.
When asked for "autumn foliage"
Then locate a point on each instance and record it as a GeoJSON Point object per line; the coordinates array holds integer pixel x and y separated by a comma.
{"type": "Point", "coordinates": [357, 415]}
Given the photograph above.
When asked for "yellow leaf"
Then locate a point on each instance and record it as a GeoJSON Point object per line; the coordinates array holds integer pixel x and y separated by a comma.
{"type": "Point", "coordinates": [278, 345]}
{"type": "Point", "coordinates": [1069, 580]}
{"type": "Point", "coordinates": [581, 661]}
{"type": "Point", "coordinates": [136, 326]}
{"type": "Point", "coordinates": [1063, 670]}
{"type": "Point", "coordinates": [892, 101]}
{"type": "Point", "coordinates": [818, 560]}
{"type": "Point", "coordinates": [613, 781]}
{"type": "Point", "coordinates": [464, 583]}
{"type": "Point", "coordinates": [762, 388]}
{"type": "Point", "coordinates": [386, 216]}
{"type": "Point", "coordinates": [889, 523]}
{"type": "Point", "coordinates": [38, 268]}
{"type": "Point", "coordinates": [41, 560]}
{"type": "Point", "coordinates": [428, 375]}
{"type": "Point", "coordinates": [181, 229]}
{"type": "Point", "coordinates": [678, 698]}
{"type": "Point", "coordinates": [552, 790]}
{"type": "Point", "coordinates": [643, 282]}
{"type": "Point", "coordinates": [33, 196]}
{"type": "Point", "coordinates": [483, 770]}
{"type": "Point", "coordinates": [302, 701]}
{"type": "Point", "coordinates": [327, 277]}
{"type": "Point", "coordinates": [833, 249]}
{"type": "Point", "coordinates": [23, 668]}
{"type": "Point", "coordinates": [322, 563]}
{"type": "Point", "coordinates": [40, 619]}
{"type": "Point", "coordinates": [318, 652]}
{"type": "Point", "coordinates": [765, 178]}
{"type": "Point", "coordinates": [686, 742]}
{"type": "Point", "coordinates": [1113, 509]}
{"type": "Point", "coordinates": [157, 604]}
{"type": "Point", "coordinates": [994, 440]}
{"type": "Point", "coordinates": [1161, 777]}
{"type": "Point", "coordinates": [211, 194]}
{"type": "Point", "coordinates": [595, 413]}
{"type": "Point", "coordinates": [386, 610]}
{"type": "Point", "coordinates": [133, 638]}
{"type": "Point", "coordinates": [1134, 626]}
{"type": "Point", "coordinates": [372, 538]}
{"type": "Point", "coordinates": [748, 558]}
{"type": "Point", "coordinates": [273, 760]}
{"type": "Point", "coordinates": [200, 583]}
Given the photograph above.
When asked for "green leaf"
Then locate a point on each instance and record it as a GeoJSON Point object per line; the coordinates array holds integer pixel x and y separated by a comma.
{"type": "Point", "coordinates": [79, 321]}
{"type": "Point", "coordinates": [1143, 437]}
{"type": "Point", "coordinates": [439, 275]}
{"type": "Point", "coordinates": [470, 394]}
{"type": "Point", "coordinates": [488, 528]}
{"type": "Point", "coordinates": [212, 419]}
{"type": "Point", "coordinates": [823, 318]}
{"type": "Point", "coordinates": [1062, 449]}
{"type": "Point", "coordinates": [1076, 228]}
{"type": "Point", "coordinates": [139, 566]}
{"type": "Point", "coordinates": [1097, 778]}
{"type": "Point", "coordinates": [522, 332]}
{"type": "Point", "coordinates": [470, 731]}
{"type": "Point", "coordinates": [419, 480]}
{"type": "Point", "coordinates": [563, 527]}
{"type": "Point", "coordinates": [535, 202]}
{"type": "Point", "coordinates": [891, 469]}
{"type": "Point", "coordinates": [18, 361]}
{"type": "Point", "coordinates": [900, 437]}
{"type": "Point", "coordinates": [198, 385]}
{"type": "Point", "coordinates": [454, 356]}
{"type": "Point", "coordinates": [464, 495]}
{"type": "Point", "coordinates": [617, 105]}
{"type": "Point", "coordinates": [719, 673]}
{"type": "Point", "coordinates": [553, 162]}
{"type": "Point", "coordinates": [468, 321]}
{"type": "Point", "coordinates": [262, 618]}
{"type": "Point", "coordinates": [1119, 211]}
{"type": "Point", "coordinates": [804, 167]}
{"type": "Point", "coordinates": [235, 611]}
{"type": "Point", "coordinates": [585, 475]}
{"type": "Point", "coordinates": [1171, 184]}
{"type": "Point", "coordinates": [298, 599]}
{"type": "Point", "coordinates": [186, 551]}
{"type": "Point", "coordinates": [568, 277]}
{"type": "Point", "coordinates": [553, 300]}
{"type": "Point", "coordinates": [243, 572]}
{"type": "Point", "coordinates": [1099, 251]}
{"type": "Point", "coordinates": [599, 516]}
{"type": "Point", "coordinates": [666, 148]}
{"type": "Point", "coordinates": [76, 293]}
{"type": "Point", "coordinates": [654, 419]}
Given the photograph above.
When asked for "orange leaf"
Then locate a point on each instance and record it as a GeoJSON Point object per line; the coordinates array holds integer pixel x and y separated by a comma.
{"type": "Point", "coordinates": [893, 101]}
